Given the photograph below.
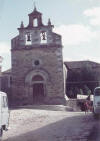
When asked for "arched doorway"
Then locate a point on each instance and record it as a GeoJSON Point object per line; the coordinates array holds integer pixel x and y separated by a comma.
{"type": "Point", "coordinates": [38, 89]}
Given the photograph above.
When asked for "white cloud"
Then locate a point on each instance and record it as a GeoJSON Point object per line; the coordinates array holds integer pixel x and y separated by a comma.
{"type": "Point", "coordinates": [90, 57]}
{"type": "Point", "coordinates": [81, 56]}
{"type": "Point", "coordinates": [94, 14]}
{"type": "Point", "coordinates": [75, 34]}
{"type": "Point", "coordinates": [4, 48]}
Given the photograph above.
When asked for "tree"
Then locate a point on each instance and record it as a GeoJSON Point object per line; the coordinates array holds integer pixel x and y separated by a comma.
{"type": "Point", "coordinates": [88, 77]}
{"type": "Point", "coordinates": [83, 79]}
{"type": "Point", "coordinates": [86, 90]}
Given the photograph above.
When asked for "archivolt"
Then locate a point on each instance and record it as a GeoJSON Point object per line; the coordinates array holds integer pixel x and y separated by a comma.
{"type": "Point", "coordinates": [32, 74]}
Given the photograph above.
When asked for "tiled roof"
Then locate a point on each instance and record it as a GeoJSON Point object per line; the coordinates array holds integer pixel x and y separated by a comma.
{"type": "Point", "coordinates": [80, 64]}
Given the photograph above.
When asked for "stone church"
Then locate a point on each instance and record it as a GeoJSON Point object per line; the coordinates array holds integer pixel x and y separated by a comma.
{"type": "Point", "coordinates": [38, 72]}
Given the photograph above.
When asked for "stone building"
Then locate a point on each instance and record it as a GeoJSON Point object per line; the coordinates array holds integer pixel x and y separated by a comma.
{"type": "Point", "coordinates": [1, 59]}
{"type": "Point", "coordinates": [37, 64]}
{"type": "Point", "coordinates": [83, 77]}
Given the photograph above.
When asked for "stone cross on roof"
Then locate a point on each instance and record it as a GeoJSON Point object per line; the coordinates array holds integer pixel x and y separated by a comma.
{"type": "Point", "coordinates": [35, 6]}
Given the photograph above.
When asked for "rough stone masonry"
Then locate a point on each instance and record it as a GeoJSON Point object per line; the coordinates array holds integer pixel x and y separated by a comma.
{"type": "Point", "coordinates": [37, 64]}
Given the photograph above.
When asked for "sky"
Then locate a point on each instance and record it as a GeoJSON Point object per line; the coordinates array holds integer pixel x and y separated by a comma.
{"type": "Point", "coordinates": [78, 21]}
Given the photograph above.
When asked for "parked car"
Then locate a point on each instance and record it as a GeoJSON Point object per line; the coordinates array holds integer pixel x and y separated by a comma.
{"type": "Point", "coordinates": [4, 113]}
{"type": "Point", "coordinates": [96, 101]}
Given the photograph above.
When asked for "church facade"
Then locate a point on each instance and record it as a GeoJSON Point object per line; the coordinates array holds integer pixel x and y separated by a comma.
{"type": "Point", "coordinates": [37, 73]}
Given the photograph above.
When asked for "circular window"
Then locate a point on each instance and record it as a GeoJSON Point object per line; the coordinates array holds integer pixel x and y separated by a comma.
{"type": "Point", "coordinates": [37, 62]}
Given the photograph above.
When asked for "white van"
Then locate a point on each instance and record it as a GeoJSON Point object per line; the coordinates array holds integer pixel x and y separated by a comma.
{"type": "Point", "coordinates": [4, 113]}
{"type": "Point", "coordinates": [96, 101]}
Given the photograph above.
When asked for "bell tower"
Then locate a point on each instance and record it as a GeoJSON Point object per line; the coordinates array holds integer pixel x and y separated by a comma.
{"type": "Point", "coordinates": [37, 63]}
{"type": "Point", "coordinates": [35, 16]}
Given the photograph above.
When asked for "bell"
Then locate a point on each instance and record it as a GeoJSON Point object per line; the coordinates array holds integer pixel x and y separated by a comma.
{"type": "Point", "coordinates": [43, 35]}
{"type": "Point", "coordinates": [28, 38]}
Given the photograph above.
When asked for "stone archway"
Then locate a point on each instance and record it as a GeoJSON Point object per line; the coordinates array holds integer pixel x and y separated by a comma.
{"type": "Point", "coordinates": [36, 84]}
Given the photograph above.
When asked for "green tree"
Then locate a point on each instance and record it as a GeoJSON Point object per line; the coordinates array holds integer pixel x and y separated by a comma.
{"type": "Point", "coordinates": [88, 77]}
{"type": "Point", "coordinates": [83, 79]}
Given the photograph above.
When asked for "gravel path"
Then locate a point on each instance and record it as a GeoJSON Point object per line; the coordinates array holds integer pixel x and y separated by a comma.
{"type": "Point", "coordinates": [47, 125]}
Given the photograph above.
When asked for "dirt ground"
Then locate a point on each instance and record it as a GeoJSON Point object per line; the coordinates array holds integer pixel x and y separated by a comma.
{"type": "Point", "coordinates": [48, 124]}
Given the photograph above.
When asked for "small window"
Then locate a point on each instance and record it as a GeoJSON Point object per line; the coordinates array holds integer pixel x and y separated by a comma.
{"type": "Point", "coordinates": [28, 39]}
{"type": "Point", "coordinates": [97, 92]}
{"type": "Point", "coordinates": [37, 62]}
{"type": "Point", "coordinates": [43, 36]}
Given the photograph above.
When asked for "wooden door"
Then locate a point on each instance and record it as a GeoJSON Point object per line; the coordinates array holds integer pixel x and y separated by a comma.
{"type": "Point", "coordinates": [38, 92]}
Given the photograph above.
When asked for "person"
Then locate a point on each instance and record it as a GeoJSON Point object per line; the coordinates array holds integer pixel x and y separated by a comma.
{"type": "Point", "coordinates": [88, 98]}
{"type": "Point", "coordinates": [88, 106]}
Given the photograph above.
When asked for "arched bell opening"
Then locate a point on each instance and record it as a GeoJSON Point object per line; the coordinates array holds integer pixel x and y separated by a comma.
{"type": "Point", "coordinates": [35, 22]}
{"type": "Point", "coordinates": [28, 40]}
{"type": "Point", "coordinates": [43, 37]}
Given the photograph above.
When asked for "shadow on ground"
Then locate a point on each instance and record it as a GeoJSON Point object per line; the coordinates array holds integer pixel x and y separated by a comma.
{"type": "Point", "coordinates": [71, 128]}
{"type": "Point", "coordinates": [95, 131]}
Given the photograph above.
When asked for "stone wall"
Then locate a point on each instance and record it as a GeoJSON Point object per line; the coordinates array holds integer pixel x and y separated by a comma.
{"type": "Point", "coordinates": [50, 66]}
{"type": "Point", "coordinates": [73, 103]}
{"type": "Point", "coordinates": [37, 51]}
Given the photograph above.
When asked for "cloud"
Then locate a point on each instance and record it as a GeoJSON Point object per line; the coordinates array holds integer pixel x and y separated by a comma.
{"type": "Point", "coordinates": [75, 34]}
{"type": "Point", "coordinates": [94, 14]}
{"type": "Point", "coordinates": [81, 56]}
{"type": "Point", "coordinates": [4, 48]}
